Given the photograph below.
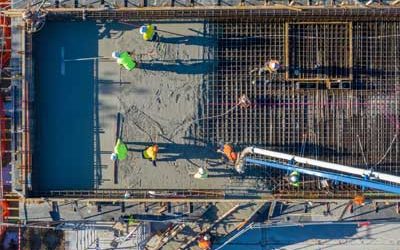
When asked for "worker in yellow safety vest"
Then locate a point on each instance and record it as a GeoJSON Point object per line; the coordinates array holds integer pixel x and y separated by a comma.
{"type": "Point", "coordinates": [150, 153]}
{"type": "Point", "coordinates": [120, 151]}
{"type": "Point", "coordinates": [125, 60]}
{"type": "Point", "coordinates": [149, 32]}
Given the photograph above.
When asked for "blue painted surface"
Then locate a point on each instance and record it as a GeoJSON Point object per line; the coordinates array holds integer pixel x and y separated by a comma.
{"type": "Point", "coordinates": [63, 149]}
{"type": "Point", "coordinates": [328, 175]}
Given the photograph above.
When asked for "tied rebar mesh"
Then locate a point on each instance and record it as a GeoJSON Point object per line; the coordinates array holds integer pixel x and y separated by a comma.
{"type": "Point", "coordinates": [356, 124]}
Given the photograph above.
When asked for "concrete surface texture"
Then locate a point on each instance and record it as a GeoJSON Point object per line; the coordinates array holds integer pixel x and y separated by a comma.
{"type": "Point", "coordinates": [158, 103]}
{"type": "Point", "coordinates": [320, 236]}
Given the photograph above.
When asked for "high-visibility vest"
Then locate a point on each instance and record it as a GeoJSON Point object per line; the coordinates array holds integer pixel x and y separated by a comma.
{"type": "Point", "coordinates": [295, 183]}
{"type": "Point", "coordinates": [150, 153]}
{"type": "Point", "coordinates": [126, 60]}
{"type": "Point", "coordinates": [230, 154]}
{"type": "Point", "coordinates": [121, 150]}
{"type": "Point", "coordinates": [148, 35]}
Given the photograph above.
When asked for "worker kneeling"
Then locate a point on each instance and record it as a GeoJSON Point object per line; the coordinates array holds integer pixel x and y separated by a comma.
{"type": "Point", "coordinates": [150, 153]}
{"type": "Point", "coordinates": [149, 32]}
{"type": "Point", "coordinates": [125, 60]}
{"type": "Point", "coordinates": [120, 151]}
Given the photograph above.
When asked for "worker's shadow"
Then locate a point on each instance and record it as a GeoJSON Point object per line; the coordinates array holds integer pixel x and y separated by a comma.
{"type": "Point", "coordinates": [170, 152]}
{"type": "Point", "coordinates": [187, 40]}
{"type": "Point", "coordinates": [179, 67]}
{"type": "Point", "coordinates": [112, 30]}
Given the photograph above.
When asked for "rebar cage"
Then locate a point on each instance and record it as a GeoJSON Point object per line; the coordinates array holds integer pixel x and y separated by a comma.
{"type": "Point", "coordinates": [336, 97]}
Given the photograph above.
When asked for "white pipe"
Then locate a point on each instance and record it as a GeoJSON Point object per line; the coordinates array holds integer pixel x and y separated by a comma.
{"type": "Point", "coordinates": [322, 164]}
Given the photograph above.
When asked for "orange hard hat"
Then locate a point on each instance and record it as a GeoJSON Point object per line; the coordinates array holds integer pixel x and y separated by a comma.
{"type": "Point", "coordinates": [155, 148]}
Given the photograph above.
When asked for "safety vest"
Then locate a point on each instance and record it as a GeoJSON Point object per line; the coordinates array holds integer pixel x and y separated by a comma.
{"type": "Point", "coordinates": [148, 35]}
{"type": "Point", "coordinates": [126, 60]}
{"type": "Point", "coordinates": [121, 150]}
{"type": "Point", "coordinates": [150, 153]}
{"type": "Point", "coordinates": [230, 154]}
{"type": "Point", "coordinates": [296, 183]}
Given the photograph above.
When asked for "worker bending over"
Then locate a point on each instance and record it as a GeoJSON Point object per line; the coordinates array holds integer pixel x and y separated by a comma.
{"type": "Point", "coordinates": [228, 151]}
{"type": "Point", "coordinates": [149, 32]}
{"type": "Point", "coordinates": [125, 59]}
{"type": "Point", "coordinates": [150, 153]}
{"type": "Point", "coordinates": [120, 151]}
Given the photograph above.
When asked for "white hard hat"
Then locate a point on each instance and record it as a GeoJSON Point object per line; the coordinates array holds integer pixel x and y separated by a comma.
{"type": "Point", "coordinates": [201, 171]}
{"type": "Point", "coordinates": [294, 178]}
{"type": "Point", "coordinates": [113, 157]}
{"type": "Point", "coordinates": [274, 65]}
{"type": "Point", "coordinates": [115, 54]}
{"type": "Point", "coordinates": [143, 29]}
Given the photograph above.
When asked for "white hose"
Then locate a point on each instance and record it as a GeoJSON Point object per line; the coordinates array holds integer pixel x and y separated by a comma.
{"type": "Point", "coordinates": [322, 164]}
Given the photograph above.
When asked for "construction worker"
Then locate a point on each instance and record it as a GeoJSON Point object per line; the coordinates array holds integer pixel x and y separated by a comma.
{"type": "Point", "coordinates": [228, 151]}
{"type": "Point", "coordinates": [201, 174]}
{"type": "Point", "coordinates": [120, 151]}
{"type": "Point", "coordinates": [204, 242]}
{"type": "Point", "coordinates": [294, 179]}
{"type": "Point", "coordinates": [271, 66]}
{"type": "Point", "coordinates": [149, 32]}
{"type": "Point", "coordinates": [150, 153]}
{"type": "Point", "coordinates": [125, 60]}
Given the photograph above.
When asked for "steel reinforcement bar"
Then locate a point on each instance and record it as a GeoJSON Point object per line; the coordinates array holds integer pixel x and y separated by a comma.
{"type": "Point", "coordinates": [284, 13]}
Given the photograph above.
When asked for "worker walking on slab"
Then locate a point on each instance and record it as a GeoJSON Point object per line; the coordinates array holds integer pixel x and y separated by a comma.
{"type": "Point", "coordinates": [228, 151]}
{"type": "Point", "coordinates": [120, 151]}
{"type": "Point", "coordinates": [125, 59]}
{"type": "Point", "coordinates": [150, 153]}
{"type": "Point", "coordinates": [149, 32]}
{"type": "Point", "coordinates": [294, 179]}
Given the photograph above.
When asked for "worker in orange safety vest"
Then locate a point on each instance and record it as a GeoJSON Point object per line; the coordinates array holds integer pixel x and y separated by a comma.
{"type": "Point", "coordinates": [228, 151]}
{"type": "Point", "coordinates": [204, 242]}
{"type": "Point", "coordinates": [150, 153]}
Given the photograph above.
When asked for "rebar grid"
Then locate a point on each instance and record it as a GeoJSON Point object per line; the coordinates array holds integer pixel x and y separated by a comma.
{"type": "Point", "coordinates": [358, 125]}
{"type": "Point", "coordinates": [318, 51]}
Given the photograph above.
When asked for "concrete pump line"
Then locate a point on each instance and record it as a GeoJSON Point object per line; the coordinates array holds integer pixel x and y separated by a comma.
{"type": "Point", "coordinates": [322, 164]}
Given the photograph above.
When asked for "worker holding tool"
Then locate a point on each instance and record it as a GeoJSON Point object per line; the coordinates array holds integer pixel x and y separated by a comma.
{"type": "Point", "coordinates": [228, 151]}
{"type": "Point", "coordinates": [149, 32]}
{"type": "Point", "coordinates": [294, 179]}
{"type": "Point", "coordinates": [202, 173]}
{"type": "Point", "coordinates": [125, 59]}
{"type": "Point", "coordinates": [120, 151]}
{"type": "Point", "coordinates": [150, 153]}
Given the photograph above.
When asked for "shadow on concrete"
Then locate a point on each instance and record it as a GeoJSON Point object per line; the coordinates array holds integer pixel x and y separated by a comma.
{"type": "Point", "coordinates": [174, 151]}
{"type": "Point", "coordinates": [277, 237]}
{"type": "Point", "coordinates": [187, 40]}
{"type": "Point", "coordinates": [112, 29]}
{"type": "Point", "coordinates": [179, 67]}
{"type": "Point", "coordinates": [64, 112]}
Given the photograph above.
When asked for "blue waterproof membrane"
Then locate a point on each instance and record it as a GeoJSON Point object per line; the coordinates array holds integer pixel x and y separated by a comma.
{"type": "Point", "coordinates": [64, 98]}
